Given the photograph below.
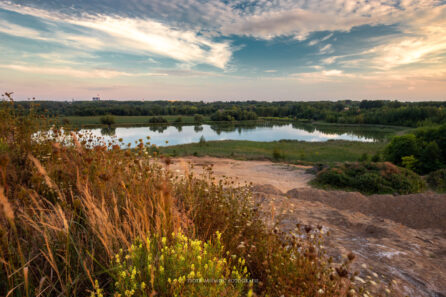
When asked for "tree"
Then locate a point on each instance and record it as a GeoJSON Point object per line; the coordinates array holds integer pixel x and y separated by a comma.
{"type": "Point", "coordinates": [107, 120]}
{"type": "Point", "coordinates": [430, 157]}
{"type": "Point", "coordinates": [401, 146]}
{"type": "Point", "coordinates": [198, 118]}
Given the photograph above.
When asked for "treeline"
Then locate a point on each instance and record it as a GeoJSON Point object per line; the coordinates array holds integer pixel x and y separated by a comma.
{"type": "Point", "coordinates": [346, 111]}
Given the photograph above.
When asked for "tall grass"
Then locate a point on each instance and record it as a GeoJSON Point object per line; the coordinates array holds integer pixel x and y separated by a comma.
{"type": "Point", "coordinates": [67, 208]}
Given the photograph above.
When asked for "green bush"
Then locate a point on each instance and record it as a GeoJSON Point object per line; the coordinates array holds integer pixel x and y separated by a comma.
{"type": "Point", "coordinates": [424, 151]}
{"type": "Point", "coordinates": [401, 146]}
{"type": "Point", "coordinates": [437, 180]}
{"type": "Point", "coordinates": [179, 267]}
{"type": "Point", "coordinates": [277, 154]}
{"type": "Point", "coordinates": [370, 178]}
{"type": "Point", "coordinates": [198, 118]}
{"type": "Point", "coordinates": [107, 120]}
{"type": "Point", "coordinates": [157, 120]}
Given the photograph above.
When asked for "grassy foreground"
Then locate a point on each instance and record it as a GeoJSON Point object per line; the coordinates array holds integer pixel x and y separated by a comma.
{"type": "Point", "coordinates": [287, 151]}
{"type": "Point", "coordinates": [82, 221]}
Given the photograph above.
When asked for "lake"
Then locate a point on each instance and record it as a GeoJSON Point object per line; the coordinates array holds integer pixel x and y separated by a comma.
{"type": "Point", "coordinates": [174, 135]}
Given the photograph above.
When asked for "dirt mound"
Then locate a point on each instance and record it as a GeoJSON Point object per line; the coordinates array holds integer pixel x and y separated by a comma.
{"type": "Point", "coordinates": [419, 211]}
{"type": "Point", "coordinates": [267, 189]}
{"type": "Point", "coordinates": [412, 259]}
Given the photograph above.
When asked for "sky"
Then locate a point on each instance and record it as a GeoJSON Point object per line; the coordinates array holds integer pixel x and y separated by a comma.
{"type": "Point", "coordinates": [223, 50]}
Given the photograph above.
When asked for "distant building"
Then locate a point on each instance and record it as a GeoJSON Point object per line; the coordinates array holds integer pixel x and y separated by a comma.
{"type": "Point", "coordinates": [96, 98]}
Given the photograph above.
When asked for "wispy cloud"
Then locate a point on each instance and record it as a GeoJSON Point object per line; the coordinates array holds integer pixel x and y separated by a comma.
{"type": "Point", "coordinates": [79, 73]}
{"type": "Point", "coordinates": [128, 34]}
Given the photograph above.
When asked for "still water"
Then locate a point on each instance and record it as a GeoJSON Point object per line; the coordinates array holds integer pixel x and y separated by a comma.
{"type": "Point", "coordinates": [174, 135]}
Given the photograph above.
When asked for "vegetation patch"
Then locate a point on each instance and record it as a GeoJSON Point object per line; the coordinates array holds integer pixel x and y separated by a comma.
{"type": "Point", "coordinates": [437, 180]}
{"type": "Point", "coordinates": [370, 178]}
{"type": "Point", "coordinates": [423, 151]}
{"type": "Point", "coordinates": [179, 267]}
{"type": "Point", "coordinates": [291, 151]}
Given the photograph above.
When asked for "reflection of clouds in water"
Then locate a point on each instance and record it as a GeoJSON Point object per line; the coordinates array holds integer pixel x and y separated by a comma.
{"type": "Point", "coordinates": [189, 134]}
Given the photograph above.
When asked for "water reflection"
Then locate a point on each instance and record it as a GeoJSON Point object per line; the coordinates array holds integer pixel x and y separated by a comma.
{"type": "Point", "coordinates": [108, 131]}
{"type": "Point", "coordinates": [178, 134]}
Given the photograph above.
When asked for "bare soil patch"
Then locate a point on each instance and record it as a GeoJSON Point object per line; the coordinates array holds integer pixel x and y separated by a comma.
{"type": "Point", "coordinates": [400, 238]}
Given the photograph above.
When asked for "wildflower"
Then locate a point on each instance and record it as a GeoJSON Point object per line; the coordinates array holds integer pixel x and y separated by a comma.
{"type": "Point", "coordinates": [143, 285]}
{"type": "Point", "coordinates": [320, 291]}
{"type": "Point", "coordinates": [249, 293]}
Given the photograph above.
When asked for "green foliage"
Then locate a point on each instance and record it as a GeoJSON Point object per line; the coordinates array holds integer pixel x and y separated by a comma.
{"type": "Point", "coordinates": [364, 157]}
{"type": "Point", "coordinates": [409, 162]}
{"type": "Point", "coordinates": [198, 118]}
{"type": "Point", "coordinates": [401, 146]}
{"type": "Point", "coordinates": [370, 178]}
{"type": "Point", "coordinates": [179, 266]}
{"type": "Point", "coordinates": [376, 157]}
{"type": "Point", "coordinates": [292, 151]}
{"type": "Point", "coordinates": [437, 180]}
{"type": "Point", "coordinates": [277, 154]}
{"type": "Point", "coordinates": [427, 145]}
{"type": "Point", "coordinates": [157, 120]}
{"type": "Point", "coordinates": [107, 120]}
{"type": "Point", "coordinates": [411, 114]}
{"type": "Point", "coordinates": [179, 120]}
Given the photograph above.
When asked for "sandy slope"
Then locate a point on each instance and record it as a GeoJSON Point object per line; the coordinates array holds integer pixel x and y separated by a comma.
{"type": "Point", "coordinates": [401, 238]}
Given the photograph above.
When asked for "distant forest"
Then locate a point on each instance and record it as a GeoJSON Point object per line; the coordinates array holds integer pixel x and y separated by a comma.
{"type": "Point", "coordinates": [347, 111]}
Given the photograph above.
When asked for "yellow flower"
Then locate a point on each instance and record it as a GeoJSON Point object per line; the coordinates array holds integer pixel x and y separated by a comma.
{"type": "Point", "coordinates": [161, 269]}
{"type": "Point", "coordinates": [164, 240]}
{"type": "Point", "coordinates": [143, 285]}
{"type": "Point", "coordinates": [249, 293]}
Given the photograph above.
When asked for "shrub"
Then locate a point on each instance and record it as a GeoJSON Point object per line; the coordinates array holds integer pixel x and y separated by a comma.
{"type": "Point", "coordinates": [277, 154]}
{"type": "Point", "coordinates": [179, 267]}
{"type": "Point", "coordinates": [437, 180]}
{"type": "Point", "coordinates": [202, 140]}
{"type": "Point", "coordinates": [157, 120]}
{"type": "Point", "coordinates": [198, 118]}
{"type": "Point", "coordinates": [107, 120]}
{"type": "Point", "coordinates": [401, 146]}
{"type": "Point", "coordinates": [370, 178]}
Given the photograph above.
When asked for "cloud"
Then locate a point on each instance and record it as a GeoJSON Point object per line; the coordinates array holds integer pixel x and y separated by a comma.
{"type": "Point", "coordinates": [79, 73]}
{"type": "Point", "coordinates": [326, 49]}
{"type": "Point", "coordinates": [129, 35]}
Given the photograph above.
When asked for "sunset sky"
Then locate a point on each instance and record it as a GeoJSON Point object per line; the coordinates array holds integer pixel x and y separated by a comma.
{"type": "Point", "coordinates": [223, 50]}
